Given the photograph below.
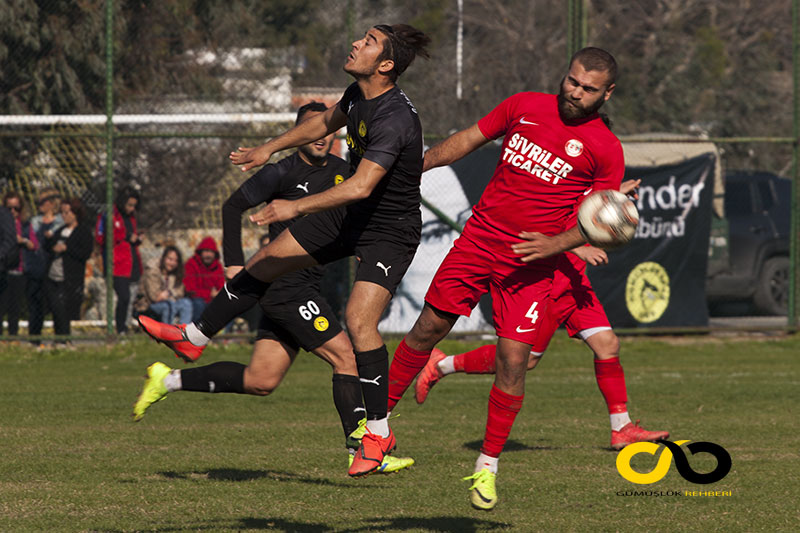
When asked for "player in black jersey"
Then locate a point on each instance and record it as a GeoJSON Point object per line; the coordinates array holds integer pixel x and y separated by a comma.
{"type": "Point", "coordinates": [295, 313]}
{"type": "Point", "coordinates": [374, 215]}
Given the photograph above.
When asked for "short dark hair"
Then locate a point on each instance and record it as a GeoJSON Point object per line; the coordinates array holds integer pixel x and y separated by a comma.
{"type": "Point", "coordinates": [593, 58]}
{"type": "Point", "coordinates": [14, 194]}
{"type": "Point", "coordinates": [403, 44]}
{"type": "Point", "coordinates": [317, 107]}
{"type": "Point", "coordinates": [76, 206]}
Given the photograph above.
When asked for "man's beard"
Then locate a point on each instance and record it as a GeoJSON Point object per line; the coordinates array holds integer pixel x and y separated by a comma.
{"type": "Point", "coordinates": [313, 158]}
{"type": "Point", "coordinates": [575, 112]}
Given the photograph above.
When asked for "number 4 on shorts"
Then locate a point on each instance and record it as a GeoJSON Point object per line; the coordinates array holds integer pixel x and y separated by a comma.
{"type": "Point", "coordinates": [533, 314]}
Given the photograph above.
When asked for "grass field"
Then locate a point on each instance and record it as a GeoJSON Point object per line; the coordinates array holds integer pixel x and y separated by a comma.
{"type": "Point", "coordinates": [72, 460]}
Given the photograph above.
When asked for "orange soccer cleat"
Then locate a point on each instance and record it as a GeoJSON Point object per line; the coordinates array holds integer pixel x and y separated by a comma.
{"type": "Point", "coordinates": [429, 376]}
{"type": "Point", "coordinates": [370, 454]}
{"type": "Point", "coordinates": [631, 433]}
{"type": "Point", "coordinates": [172, 336]}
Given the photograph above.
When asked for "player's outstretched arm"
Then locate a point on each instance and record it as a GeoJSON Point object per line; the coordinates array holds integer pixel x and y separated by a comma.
{"type": "Point", "coordinates": [358, 187]}
{"type": "Point", "coordinates": [454, 148]}
{"type": "Point", "coordinates": [539, 246]}
{"type": "Point", "coordinates": [232, 210]}
{"type": "Point", "coordinates": [307, 131]}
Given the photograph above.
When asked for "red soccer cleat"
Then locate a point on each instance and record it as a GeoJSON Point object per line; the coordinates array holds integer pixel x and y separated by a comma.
{"type": "Point", "coordinates": [172, 336]}
{"type": "Point", "coordinates": [429, 376]}
{"type": "Point", "coordinates": [371, 452]}
{"type": "Point", "coordinates": [631, 433]}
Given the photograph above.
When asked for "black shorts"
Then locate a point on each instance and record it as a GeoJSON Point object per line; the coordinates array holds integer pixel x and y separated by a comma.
{"type": "Point", "coordinates": [297, 316]}
{"type": "Point", "coordinates": [384, 251]}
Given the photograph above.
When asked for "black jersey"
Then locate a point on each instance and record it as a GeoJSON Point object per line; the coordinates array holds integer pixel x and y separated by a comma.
{"type": "Point", "coordinates": [386, 130]}
{"type": "Point", "coordinates": [290, 178]}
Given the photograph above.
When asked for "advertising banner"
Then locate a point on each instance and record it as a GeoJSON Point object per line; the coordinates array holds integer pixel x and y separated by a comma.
{"type": "Point", "coordinates": [658, 279]}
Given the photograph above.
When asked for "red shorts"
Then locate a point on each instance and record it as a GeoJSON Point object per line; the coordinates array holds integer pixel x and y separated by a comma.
{"type": "Point", "coordinates": [519, 290]}
{"type": "Point", "coordinates": [574, 303]}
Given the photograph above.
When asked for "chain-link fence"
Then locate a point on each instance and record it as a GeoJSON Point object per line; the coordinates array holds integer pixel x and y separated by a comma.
{"type": "Point", "coordinates": [186, 82]}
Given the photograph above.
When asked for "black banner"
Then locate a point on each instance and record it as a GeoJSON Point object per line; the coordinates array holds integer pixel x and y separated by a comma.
{"type": "Point", "coordinates": [656, 280]}
{"type": "Point", "coordinates": [659, 278]}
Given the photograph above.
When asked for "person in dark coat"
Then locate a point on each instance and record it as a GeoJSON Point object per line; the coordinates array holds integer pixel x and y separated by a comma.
{"type": "Point", "coordinates": [12, 298]}
{"type": "Point", "coordinates": [8, 244]}
{"type": "Point", "coordinates": [70, 247]}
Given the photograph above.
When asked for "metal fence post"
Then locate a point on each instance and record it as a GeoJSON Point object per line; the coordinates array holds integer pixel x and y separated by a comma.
{"type": "Point", "coordinates": [109, 135]}
{"type": "Point", "coordinates": [576, 26]}
{"type": "Point", "coordinates": [794, 227]}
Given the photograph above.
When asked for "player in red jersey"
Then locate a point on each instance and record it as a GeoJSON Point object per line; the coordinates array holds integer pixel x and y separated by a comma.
{"type": "Point", "coordinates": [555, 148]}
{"type": "Point", "coordinates": [573, 303]}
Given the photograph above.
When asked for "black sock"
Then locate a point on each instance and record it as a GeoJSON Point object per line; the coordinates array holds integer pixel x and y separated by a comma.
{"type": "Point", "coordinates": [347, 399]}
{"type": "Point", "coordinates": [225, 376]}
{"type": "Point", "coordinates": [237, 296]}
{"type": "Point", "coordinates": [373, 371]}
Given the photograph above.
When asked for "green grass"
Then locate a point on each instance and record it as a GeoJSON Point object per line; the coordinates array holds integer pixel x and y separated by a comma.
{"type": "Point", "coordinates": [72, 460]}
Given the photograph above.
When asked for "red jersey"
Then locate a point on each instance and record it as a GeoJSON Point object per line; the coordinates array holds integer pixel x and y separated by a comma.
{"type": "Point", "coordinates": [545, 167]}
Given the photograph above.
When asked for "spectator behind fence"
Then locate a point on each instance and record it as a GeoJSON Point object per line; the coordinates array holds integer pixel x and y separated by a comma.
{"type": "Point", "coordinates": [13, 296]}
{"type": "Point", "coordinates": [70, 247]}
{"type": "Point", "coordinates": [204, 275]}
{"type": "Point", "coordinates": [8, 244]}
{"type": "Point", "coordinates": [127, 265]}
{"type": "Point", "coordinates": [43, 224]}
{"type": "Point", "coordinates": [161, 290]}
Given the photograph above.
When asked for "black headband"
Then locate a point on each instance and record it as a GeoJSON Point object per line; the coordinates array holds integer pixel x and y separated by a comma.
{"type": "Point", "coordinates": [389, 32]}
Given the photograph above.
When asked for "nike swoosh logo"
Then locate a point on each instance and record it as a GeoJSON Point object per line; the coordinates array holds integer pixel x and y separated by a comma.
{"type": "Point", "coordinates": [523, 121]}
{"type": "Point", "coordinates": [524, 330]}
{"type": "Point", "coordinates": [487, 500]}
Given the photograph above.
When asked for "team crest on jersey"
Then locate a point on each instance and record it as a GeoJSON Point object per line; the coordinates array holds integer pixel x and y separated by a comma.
{"type": "Point", "coordinates": [338, 179]}
{"type": "Point", "coordinates": [574, 147]}
{"type": "Point", "coordinates": [362, 129]}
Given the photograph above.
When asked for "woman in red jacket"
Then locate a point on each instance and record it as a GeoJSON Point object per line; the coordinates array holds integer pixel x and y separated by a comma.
{"type": "Point", "coordinates": [127, 267]}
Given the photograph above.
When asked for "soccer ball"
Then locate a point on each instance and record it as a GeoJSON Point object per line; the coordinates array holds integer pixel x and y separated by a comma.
{"type": "Point", "coordinates": [607, 219]}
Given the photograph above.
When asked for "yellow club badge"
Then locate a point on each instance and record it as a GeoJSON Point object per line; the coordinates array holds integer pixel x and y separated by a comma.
{"type": "Point", "coordinates": [362, 129]}
{"type": "Point", "coordinates": [647, 292]}
{"type": "Point", "coordinates": [321, 323]}
{"type": "Point", "coordinates": [338, 179]}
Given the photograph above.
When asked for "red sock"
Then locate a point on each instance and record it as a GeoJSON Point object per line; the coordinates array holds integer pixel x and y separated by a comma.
{"type": "Point", "coordinates": [611, 381]}
{"type": "Point", "coordinates": [405, 366]}
{"type": "Point", "coordinates": [478, 361]}
{"type": "Point", "coordinates": [503, 409]}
